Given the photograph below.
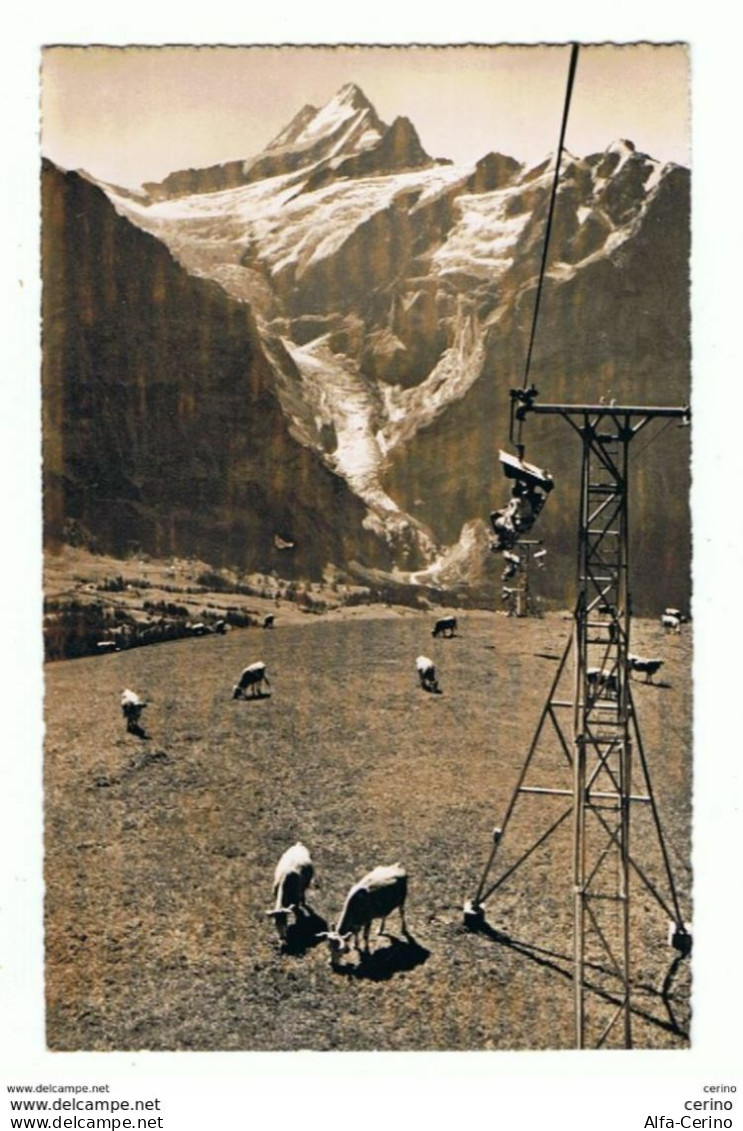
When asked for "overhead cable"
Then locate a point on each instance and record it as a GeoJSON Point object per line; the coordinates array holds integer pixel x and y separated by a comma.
{"type": "Point", "coordinates": [568, 94]}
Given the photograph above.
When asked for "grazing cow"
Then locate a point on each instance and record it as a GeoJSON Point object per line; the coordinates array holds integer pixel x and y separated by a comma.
{"type": "Point", "coordinates": [268, 620]}
{"type": "Point", "coordinates": [377, 895]}
{"type": "Point", "coordinates": [199, 629]}
{"type": "Point", "coordinates": [107, 646]}
{"type": "Point", "coordinates": [292, 877]}
{"type": "Point", "coordinates": [427, 673]}
{"type": "Point", "coordinates": [445, 626]}
{"type": "Point", "coordinates": [599, 679]}
{"type": "Point", "coordinates": [131, 708]}
{"type": "Point", "coordinates": [671, 623]}
{"type": "Point", "coordinates": [220, 627]}
{"type": "Point", "coordinates": [649, 667]}
{"type": "Point", "coordinates": [252, 677]}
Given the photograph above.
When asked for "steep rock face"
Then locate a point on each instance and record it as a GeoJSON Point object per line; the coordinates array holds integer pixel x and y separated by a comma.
{"type": "Point", "coordinates": [618, 328]}
{"type": "Point", "coordinates": [399, 149]}
{"type": "Point", "coordinates": [186, 182]}
{"type": "Point", "coordinates": [162, 427]}
{"type": "Point", "coordinates": [493, 171]}
{"type": "Point", "coordinates": [394, 299]}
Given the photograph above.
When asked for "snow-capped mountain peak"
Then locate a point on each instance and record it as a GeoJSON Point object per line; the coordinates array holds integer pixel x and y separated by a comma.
{"type": "Point", "coordinates": [345, 125]}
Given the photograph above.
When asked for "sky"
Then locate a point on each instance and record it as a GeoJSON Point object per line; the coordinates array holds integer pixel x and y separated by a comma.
{"type": "Point", "coordinates": [133, 114]}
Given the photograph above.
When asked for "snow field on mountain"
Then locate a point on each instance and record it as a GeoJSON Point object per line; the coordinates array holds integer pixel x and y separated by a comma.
{"type": "Point", "coordinates": [482, 241]}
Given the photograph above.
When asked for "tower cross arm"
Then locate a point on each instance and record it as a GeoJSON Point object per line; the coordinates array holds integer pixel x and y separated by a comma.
{"type": "Point", "coordinates": [681, 411]}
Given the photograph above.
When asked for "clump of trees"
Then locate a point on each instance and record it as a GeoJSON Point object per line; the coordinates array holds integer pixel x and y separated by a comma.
{"type": "Point", "coordinates": [77, 628]}
{"type": "Point", "coordinates": [165, 609]}
{"type": "Point", "coordinates": [74, 628]}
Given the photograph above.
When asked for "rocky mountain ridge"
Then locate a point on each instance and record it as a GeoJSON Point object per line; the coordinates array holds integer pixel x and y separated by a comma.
{"type": "Point", "coordinates": [344, 138]}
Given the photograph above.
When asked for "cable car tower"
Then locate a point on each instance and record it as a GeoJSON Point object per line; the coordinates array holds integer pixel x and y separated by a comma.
{"type": "Point", "coordinates": [595, 771]}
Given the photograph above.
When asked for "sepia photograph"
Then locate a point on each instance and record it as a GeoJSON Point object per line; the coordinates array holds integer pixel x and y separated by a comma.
{"type": "Point", "coordinates": [371, 553]}
{"type": "Point", "coordinates": [368, 608]}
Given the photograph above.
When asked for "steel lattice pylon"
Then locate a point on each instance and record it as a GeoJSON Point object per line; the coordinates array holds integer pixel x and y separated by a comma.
{"type": "Point", "coordinates": [599, 747]}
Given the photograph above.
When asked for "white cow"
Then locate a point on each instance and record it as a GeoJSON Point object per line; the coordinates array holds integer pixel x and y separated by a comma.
{"type": "Point", "coordinates": [377, 895]}
{"type": "Point", "coordinates": [601, 680]}
{"type": "Point", "coordinates": [252, 677]}
{"type": "Point", "coordinates": [640, 664]}
{"type": "Point", "coordinates": [426, 673]}
{"type": "Point", "coordinates": [131, 708]}
{"type": "Point", "coordinates": [291, 878]}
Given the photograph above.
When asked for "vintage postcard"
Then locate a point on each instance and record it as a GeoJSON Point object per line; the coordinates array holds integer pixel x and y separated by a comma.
{"type": "Point", "coordinates": [370, 608]}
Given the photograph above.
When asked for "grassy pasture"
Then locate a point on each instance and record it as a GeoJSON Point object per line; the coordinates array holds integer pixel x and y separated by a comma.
{"type": "Point", "coordinates": [159, 852]}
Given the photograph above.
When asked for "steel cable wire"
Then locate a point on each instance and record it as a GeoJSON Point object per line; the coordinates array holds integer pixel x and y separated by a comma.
{"type": "Point", "coordinates": [551, 210]}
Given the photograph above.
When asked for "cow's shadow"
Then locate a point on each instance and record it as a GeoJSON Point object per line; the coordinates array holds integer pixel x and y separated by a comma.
{"type": "Point", "coordinates": [251, 698]}
{"type": "Point", "coordinates": [302, 935]}
{"type": "Point", "coordinates": [386, 961]}
{"type": "Point", "coordinates": [137, 730]}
